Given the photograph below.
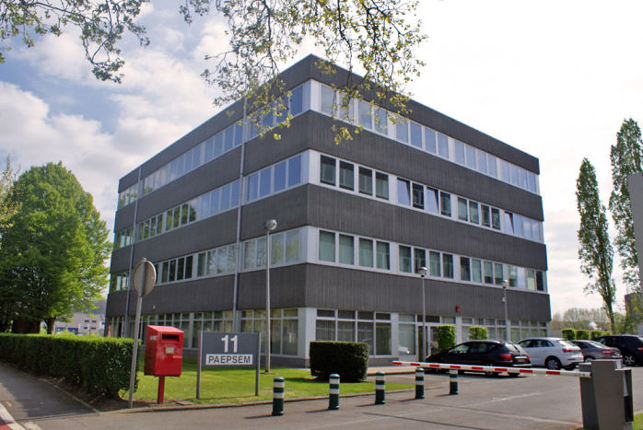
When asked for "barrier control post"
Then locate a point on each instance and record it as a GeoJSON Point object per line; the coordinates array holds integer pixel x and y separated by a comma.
{"type": "Point", "coordinates": [453, 382]}
{"type": "Point", "coordinates": [379, 388]}
{"type": "Point", "coordinates": [333, 392]}
{"type": "Point", "coordinates": [278, 396]}
{"type": "Point", "coordinates": [419, 383]}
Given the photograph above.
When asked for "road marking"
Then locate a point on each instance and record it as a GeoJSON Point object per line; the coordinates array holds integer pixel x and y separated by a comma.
{"type": "Point", "coordinates": [9, 422]}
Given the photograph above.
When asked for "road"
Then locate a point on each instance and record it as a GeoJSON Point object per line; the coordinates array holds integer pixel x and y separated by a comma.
{"type": "Point", "coordinates": [526, 402]}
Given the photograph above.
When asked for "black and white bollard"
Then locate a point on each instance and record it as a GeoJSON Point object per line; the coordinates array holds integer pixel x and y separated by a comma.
{"type": "Point", "coordinates": [419, 383]}
{"type": "Point", "coordinates": [453, 382]}
{"type": "Point", "coordinates": [278, 396]}
{"type": "Point", "coordinates": [379, 388]}
{"type": "Point", "coordinates": [333, 392]}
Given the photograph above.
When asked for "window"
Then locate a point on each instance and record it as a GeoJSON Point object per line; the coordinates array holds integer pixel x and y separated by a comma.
{"type": "Point", "coordinates": [327, 170]}
{"type": "Point", "coordinates": [465, 269]}
{"type": "Point", "coordinates": [294, 171]}
{"type": "Point", "coordinates": [486, 215]}
{"type": "Point", "coordinates": [471, 156]}
{"type": "Point", "coordinates": [264, 182]}
{"type": "Point", "coordinates": [297, 101]}
{"type": "Point", "coordinates": [495, 218]}
{"type": "Point", "coordinates": [513, 276]}
{"type": "Point", "coordinates": [418, 196]}
{"type": "Point", "coordinates": [492, 163]}
{"type": "Point", "coordinates": [482, 161]}
{"type": "Point", "coordinates": [405, 259]}
{"type": "Point", "coordinates": [326, 246]}
{"type": "Point", "coordinates": [280, 176]}
{"type": "Point", "coordinates": [474, 217]}
{"type": "Point", "coordinates": [434, 264]}
{"type": "Point", "coordinates": [420, 259]}
{"type": "Point", "coordinates": [365, 181]}
{"type": "Point", "coordinates": [531, 279]}
{"type": "Point", "coordinates": [432, 203]}
{"type": "Point", "coordinates": [365, 118]}
{"type": "Point", "coordinates": [381, 185]}
{"type": "Point", "coordinates": [445, 204]}
{"type": "Point", "coordinates": [443, 145]}
{"type": "Point", "coordinates": [402, 130]}
{"type": "Point", "coordinates": [429, 140]}
{"type": "Point", "coordinates": [476, 270]}
{"type": "Point", "coordinates": [416, 134]}
{"type": "Point", "coordinates": [463, 214]}
{"type": "Point", "coordinates": [346, 175]}
{"type": "Point", "coordinates": [292, 246]}
{"type": "Point", "coordinates": [327, 100]}
{"type": "Point", "coordinates": [346, 249]}
{"type": "Point", "coordinates": [383, 256]}
{"type": "Point", "coordinates": [540, 281]}
{"type": "Point", "coordinates": [459, 152]}
{"type": "Point", "coordinates": [249, 255]}
{"type": "Point", "coordinates": [381, 120]}
{"type": "Point", "coordinates": [277, 248]}
{"type": "Point", "coordinates": [366, 252]}
{"type": "Point", "coordinates": [498, 273]}
{"type": "Point", "coordinates": [488, 272]}
{"type": "Point", "coordinates": [447, 265]}
{"type": "Point", "coordinates": [403, 192]}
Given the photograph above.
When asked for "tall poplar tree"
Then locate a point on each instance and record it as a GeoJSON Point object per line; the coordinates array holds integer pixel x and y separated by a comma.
{"type": "Point", "coordinates": [52, 251]}
{"type": "Point", "coordinates": [626, 157]}
{"type": "Point", "coordinates": [595, 250]}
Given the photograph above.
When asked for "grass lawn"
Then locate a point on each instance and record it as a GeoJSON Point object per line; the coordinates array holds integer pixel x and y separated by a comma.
{"type": "Point", "coordinates": [237, 385]}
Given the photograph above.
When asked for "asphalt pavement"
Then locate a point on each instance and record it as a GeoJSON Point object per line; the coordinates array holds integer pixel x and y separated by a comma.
{"type": "Point", "coordinates": [526, 402]}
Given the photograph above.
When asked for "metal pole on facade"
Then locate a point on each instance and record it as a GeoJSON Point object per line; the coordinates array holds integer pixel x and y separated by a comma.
{"type": "Point", "coordinates": [504, 301]}
{"type": "Point", "coordinates": [422, 271]}
{"type": "Point", "coordinates": [270, 225]}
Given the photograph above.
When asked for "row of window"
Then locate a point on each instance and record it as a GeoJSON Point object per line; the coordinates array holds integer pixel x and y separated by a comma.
{"type": "Point", "coordinates": [376, 332]}
{"type": "Point", "coordinates": [369, 253]}
{"type": "Point", "coordinates": [363, 180]}
{"type": "Point", "coordinates": [370, 117]}
{"type": "Point", "coordinates": [273, 179]}
{"type": "Point", "coordinates": [376, 119]}
{"type": "Point", "coordinates": [284, 249]}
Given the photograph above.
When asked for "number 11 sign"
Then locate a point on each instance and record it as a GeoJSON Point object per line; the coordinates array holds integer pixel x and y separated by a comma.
{"type": "Point", "coordinates": [227, 349]}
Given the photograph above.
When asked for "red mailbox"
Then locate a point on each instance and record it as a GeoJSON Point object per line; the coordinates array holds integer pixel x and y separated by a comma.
{"type": "Point", "coordinates": [163, 351]}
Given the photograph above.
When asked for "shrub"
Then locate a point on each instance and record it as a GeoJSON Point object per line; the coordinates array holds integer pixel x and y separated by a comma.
{"type": "Point", "coordinates": [348, 359]}
{"type": "Point", "coordinates": [99, 365]}
{"type": "Point", "coordinates": [478, 333]}
{"type": "Point", "coordinates": [582, 334]}
{"type": "Point", "coordinates": [446, 337]}
{"type": "Point", "coordinates": [569, 334]}
{"type": "Point", "coordinates": [596, 333]}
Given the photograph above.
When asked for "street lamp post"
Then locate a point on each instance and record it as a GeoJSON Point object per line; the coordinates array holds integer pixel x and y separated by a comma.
{"type": "Point", "coordinates": [422, 271]}
{"type": "Point", "coordinates": [270, 225]}
{"type": "Point", "coordinates": [504, 301]}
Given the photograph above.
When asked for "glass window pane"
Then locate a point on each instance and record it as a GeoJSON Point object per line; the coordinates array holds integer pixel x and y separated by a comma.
{"type": "Point", "coordinates": [327, 170]}
{"type": "Point", "coordinates": [465, 269]}
{"type": "Point", "coordinates": [294, 171]}
{"type": "Point", "coordinates": [280, 176]}
{"type": "Point", "coordinates": [482, 161]}
{"type": "Point", "coordinates": [264, 182]}
{"type": "Point", "coordinates": [249, 254]}
{"type": "Point", "coordinates": [172, 274]}
{"type": "Point", "coordinates": [488, 272]}
{"type": "Point", "coordinates": [432, 200]}
{"type": "Point", "coordinates": [297, 101]}
{"type": "Point", "coordinates": [277, 248]}
{"type": "Point", "coordinates": [471, 156]}
{"type": "Point", "coordinates": [381, 185]}
{"type": "Point", "coordinates": [476, 270]}
{"type": "Point", "coordinates": [327, 100]}
{"type": "Point", "coordinates": [486, 215]}
{"type": "Point", "coordinates": [405, 259]}
{"type": "Point", "coordinates": [445, 204]}
{"type": "Point", "coordinates": [177, 217]}
{"type": "Point", "coordinates": [429, 140]}
{"type": "Point", "coordinates": [326, 246]}
{"type": "Point", "coordinates": [459, 152]}
{"type": "Point", "coordinates": [498, 273]}
{"type": "Point", "coordinates": [447, 265]}
{"type": "Point", "coordinates": [365, 118]}
{"type": "Point", "coordinates": [531, 279]}
{"type": "Point", "coordinates": [383, 256]}
{"type": "Point", "coordinates": [443, 145]}
{"type": "Point", "coordinates": [381, 120]}
{"type": "Point", "coordinates": [434, 264]}
{"type": "Point", "coordinates": [346, 249]}
{"type": "Point", "coordinates": [418, 196]}
{"type": "Point", "coordinates": [212, 262]}
{"type": "Point", "coordinates": [492, 165]}
{"type": "Point", "coordinates": [346, 175]}
{"type": "Point", "coordinates": [463, 214]}
{"type": "Point", "coordinates": [419, 259]}
{"type": "Point", "coordinates": [365, 181]}
{"type": "Point", "coordinates": [495, 218]}
{"type": "Point", "coordinates": [473, 212]}
{"type": "Point", "coordinates": [416, 134]}
{"type": "Point", "coordinates": [383, 339]}
{"type": "Point", "coordinates": [403, 192]}
{"type": "Point", "coordinates": [214, 202]}
{"type": "Point", "coordinates": [225, 198]}
{"type": "Point", "coordinates": [513, 275]}
{"type": "Point", "coordinates": [222, 260]}
{"type": "Point", "coordinates": [366, 252]}
{"type": "Point", "coordinates": [292, 246]}
{"type": "Point", "coordinates": [188, 267]}
{"type": "Point", "coordinates": [261, 252]}
{"type": "Point", "coordinates": [402, 130]}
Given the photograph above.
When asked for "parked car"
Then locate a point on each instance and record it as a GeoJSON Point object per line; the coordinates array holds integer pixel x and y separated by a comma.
{"type": "Point", "coordinates": [592, 350]}
{"type": "Point", "coordinates": [552, 352]}
{"type": "Point", "coordinates": [484, 353]}
{"type": "Point", "coordinates": [631, 347]}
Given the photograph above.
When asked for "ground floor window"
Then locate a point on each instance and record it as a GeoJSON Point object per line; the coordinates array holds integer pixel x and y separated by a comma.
{"type": "Point", "coordinates": [372, 328]}
{"type": "Point", "coordinates": [284, 327]}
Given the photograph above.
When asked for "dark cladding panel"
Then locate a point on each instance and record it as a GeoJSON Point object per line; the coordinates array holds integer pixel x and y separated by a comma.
{"type": "Point", "coordinates": [287, 288]}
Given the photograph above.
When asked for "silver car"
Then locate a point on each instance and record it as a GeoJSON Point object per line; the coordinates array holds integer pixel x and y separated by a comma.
{"type": "Point", "coordinates": [592, 350]}
{"type": "Point", "coordinates": [552, 352]}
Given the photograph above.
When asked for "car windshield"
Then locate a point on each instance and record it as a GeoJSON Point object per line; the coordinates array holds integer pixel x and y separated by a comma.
{"type": "Point", "coordinates": [594, 343]}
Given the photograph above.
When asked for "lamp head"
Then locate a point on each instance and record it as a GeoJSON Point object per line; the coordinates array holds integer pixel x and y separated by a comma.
{"type": "Point", "coordinates": [270, 225]}
{"type": "Point", "coordinates": [422, 271]}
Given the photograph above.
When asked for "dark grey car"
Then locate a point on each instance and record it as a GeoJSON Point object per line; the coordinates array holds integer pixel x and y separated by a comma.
{"type": "Point", "coordinates": [592, 350]}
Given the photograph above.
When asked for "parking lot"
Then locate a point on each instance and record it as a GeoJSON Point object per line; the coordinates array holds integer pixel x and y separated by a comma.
{"type": "Point", "coordinates": [526, 402]}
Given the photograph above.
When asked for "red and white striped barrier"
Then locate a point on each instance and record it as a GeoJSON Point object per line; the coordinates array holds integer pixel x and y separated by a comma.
{"type": "Point", "coordinates": [529, 370]}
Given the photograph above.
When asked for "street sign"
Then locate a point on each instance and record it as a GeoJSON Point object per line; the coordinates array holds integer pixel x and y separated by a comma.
{"type": "Point", "coordinates": [218, 349]}
{"type": "Point", "coordinates": [143, 278]}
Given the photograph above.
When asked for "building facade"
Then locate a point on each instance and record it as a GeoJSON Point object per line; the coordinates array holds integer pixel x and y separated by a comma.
{"type": "Point", "coordinates": [355, 223]}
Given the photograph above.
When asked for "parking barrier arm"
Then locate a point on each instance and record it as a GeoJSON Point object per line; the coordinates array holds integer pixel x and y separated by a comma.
{"type": "Point", "coordinates": [447, 366]}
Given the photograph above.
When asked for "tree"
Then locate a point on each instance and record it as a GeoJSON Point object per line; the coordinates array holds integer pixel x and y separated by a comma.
{"type": "Point", "coordinates": [7, 178]}
{"type": "Point", "coordinates": [377, 35]}
{"type": "Point", "coordinates": [595, 250]}
{"type": "Point", "coordinates": [626, 157]}
{"type": "Point", "coordinates": [52, 254]}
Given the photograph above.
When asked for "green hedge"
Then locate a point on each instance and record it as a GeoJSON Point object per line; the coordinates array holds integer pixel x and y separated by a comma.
{"type": "Point", "coordinates": [569, 334]}
{"type": "Point", "coordinates": [348, 359]}
{"type": "Point", "coordinates": [596, 333]}
{"type": "Point", "coordinates": [478, 333]}
{"type": "Point", "coordinates": [99, 365]}
{"type": "Point", "coordinates": [446, 337]}
{"type": "Point", "coordinates": [582, 334]}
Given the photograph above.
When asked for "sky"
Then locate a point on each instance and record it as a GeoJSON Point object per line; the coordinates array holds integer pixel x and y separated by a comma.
{"type": "Point", "coordinates": [554, 79]}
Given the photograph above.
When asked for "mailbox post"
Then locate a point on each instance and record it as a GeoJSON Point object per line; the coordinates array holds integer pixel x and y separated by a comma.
{"type": "Point", "coordinates": [163, 354]}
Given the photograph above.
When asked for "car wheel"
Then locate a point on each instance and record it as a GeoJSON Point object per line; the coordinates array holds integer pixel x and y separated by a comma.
{"type": "Point", "coordinates": [552, 363]}
{"type": "Point", "coordinates": [588, 359]}
{"type": "Point", "coordinates": [570, 367]}
{"type": "Point", "coordinates": [629, 360]}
